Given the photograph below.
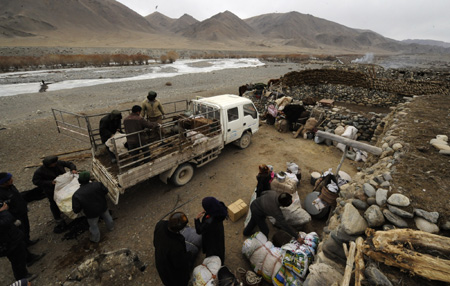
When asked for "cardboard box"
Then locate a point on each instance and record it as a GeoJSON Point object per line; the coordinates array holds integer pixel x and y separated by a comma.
{"type": "Point", "coordinates": [237, 210]}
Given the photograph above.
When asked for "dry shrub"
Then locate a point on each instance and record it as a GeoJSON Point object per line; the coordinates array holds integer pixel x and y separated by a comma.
{"type": "Point", "coordinates": [172, 56]}
{"type": "Point", "coordinates": [168, 83]}
{"type": "Point", "coordinates": [163, 59]}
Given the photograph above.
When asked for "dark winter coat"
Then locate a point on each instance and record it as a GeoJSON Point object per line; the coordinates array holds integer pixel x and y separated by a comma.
{"type": "Point", "coordinates": [263, 183]}
{"type": "Point", "coordinates": [173, 262]}
{"type": "Point", "coordinates": [134, 123]}
{"type": "Point", "coordinates": [17, 205]}
{"type": "Point", "coordinates": [213, 236]}
{"type": "Point", "coordinates": [90, 198]}
{"type": "Point", "coordinates": [109, 124]}
{"type": "Point", "coordinates": [44, 176]}
{"type": "Point", "coordinates": [10, 235]}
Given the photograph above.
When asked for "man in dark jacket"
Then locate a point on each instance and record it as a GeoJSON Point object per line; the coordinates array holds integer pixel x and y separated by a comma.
{"type": "Point", "coordinates": [13, 246]}
{"type": "Point", "coordinates": [135, 123]}
{"type": "Point", "coordinates": [90, 198]}
{"type": "Point", "coordinates": [17, 205]}
{"type": "Point", "coordinates": [109, 125]}
{"type": "Point", "coordinates": [173, 262]}
{"type": "Point", "coordinates": [268, 204]}
{"type": "Point", "coordinates": [44, 177]}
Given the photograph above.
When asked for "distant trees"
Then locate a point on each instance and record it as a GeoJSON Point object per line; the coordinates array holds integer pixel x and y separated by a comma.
{"type": "Point", "coordinates": [170, 57]}
{"type": "Point", "coordinates": [15, 63]}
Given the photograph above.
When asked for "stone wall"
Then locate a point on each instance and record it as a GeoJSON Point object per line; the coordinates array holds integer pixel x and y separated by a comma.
{"type": "Point", "coordinates": [365, 85]}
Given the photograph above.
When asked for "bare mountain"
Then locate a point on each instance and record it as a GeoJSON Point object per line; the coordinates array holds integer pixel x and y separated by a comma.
{"type": "Point", "coordinates": [220, 27]}
{"type": "Point", "coordinates": [427, 42]}
{"type": "Point", "coordinates": [160, 21]}
{"type": "Point", "coordinates": [68, 16]}
{"type": "Point", "coordinates": [309, 31]}
{"type": "Point", "coordinates": [183, 22]}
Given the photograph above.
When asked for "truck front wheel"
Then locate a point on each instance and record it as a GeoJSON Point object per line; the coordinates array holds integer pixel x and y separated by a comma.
{"type": "Point", "coordinates": [245, 140]}
{"type": "Point", "coordinates": [182, 175]}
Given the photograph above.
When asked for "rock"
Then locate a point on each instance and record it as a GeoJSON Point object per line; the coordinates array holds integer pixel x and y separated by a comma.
{"type": "Point", "coordinates": [397, 146]}
{"type": "Point", "coordinates": [373, 183]}
{"type": "Point", "coordinates": [394, 219]}
{"type": "Point", "coordinates": [438, 141]}
{"type": "Point", "coordinates": [369, 190]}
{"type": "Point", "coordinates": [385, 184]}
{"type": "Point", "coordinates": [429, 216]}
{"type": "Point", "coordinates": [398, 200]}
{"type": "Point", "coordinates": [442, 137]}
{"type": "Point", "coordinates": [371, 201]}
{"type": "Point", "coordinates": [352, 222]}
{"type": "Point", "coordinates": [445, 152]}
{"type": "Point", "coordinates": [374, 216]}
{"type": "Point", "coordinates": [387, 176]}
{"type": "Point", "coordinates": [425, 225]}
{"type": "Point", "coordinates": [441, 147]}
{"type": "Point", "coordinates": [388, 227]}
{"type": "Point", "coordinates": [322, 274]}
{"type": "Point", "coordinates": [446, 225]}
{"type": "Point", "coordinates": [333, 250]}
{"type": "Point", "coordinates": [376, 277]}
{"type": "Point", "coordinates": [400, 212]}
{"type": "Point", "coordinates": [381, 196]}
{"type": "Point", "coordinates": [359, 204]}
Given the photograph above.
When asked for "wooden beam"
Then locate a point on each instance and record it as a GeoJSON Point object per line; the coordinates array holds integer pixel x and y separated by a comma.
{"type": "Point", "coordinates": [359, 262]}
{"type": "Point", "coordinates": [349, 265]}
{"type": "Point", "coordinates": [387, 247]}
{"type": "Point", "coordinates": [353, 143]}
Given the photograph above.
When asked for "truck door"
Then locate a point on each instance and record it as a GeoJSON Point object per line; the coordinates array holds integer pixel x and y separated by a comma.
{"type": "Point", "coordinates": [234, 124]}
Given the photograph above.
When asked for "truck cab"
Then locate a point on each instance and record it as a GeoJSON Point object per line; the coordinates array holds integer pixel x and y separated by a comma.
{"type": "Point", "coordinates": [238, 116]}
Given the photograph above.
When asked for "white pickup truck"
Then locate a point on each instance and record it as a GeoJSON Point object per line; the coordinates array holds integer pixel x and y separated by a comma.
{"type": "Point", "coordinates": [192, 134]}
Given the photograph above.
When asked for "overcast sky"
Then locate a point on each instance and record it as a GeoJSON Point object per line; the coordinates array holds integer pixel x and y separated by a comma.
{"type": "Point", "coordinates": [396, 19]}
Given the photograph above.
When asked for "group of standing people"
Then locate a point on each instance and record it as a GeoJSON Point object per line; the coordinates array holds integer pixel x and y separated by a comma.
{"type": "Point", "coordinates": [173, 262]}
{"type": "Point", "coordinates": [148, 115]}
{"type": "Point", "coordinates": [15, 239]}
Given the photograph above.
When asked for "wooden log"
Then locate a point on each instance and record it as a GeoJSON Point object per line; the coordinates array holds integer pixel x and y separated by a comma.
{"type": "Point", "coordinates": [69, 152]}
{"type": "Point", "coordinates": [353, 143]}
{"type": "Point", "coordinates": [387, 247]}
{"type": "Point", "coordinates": [359, 262]}
{"type": "Point", "coordinates": [349, 265]}
{"type": "Point", "coordinates": [298, 131]}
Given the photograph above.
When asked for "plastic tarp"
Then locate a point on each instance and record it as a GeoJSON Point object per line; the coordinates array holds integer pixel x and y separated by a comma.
{"type": "Point", "coordinates": [66, 185]}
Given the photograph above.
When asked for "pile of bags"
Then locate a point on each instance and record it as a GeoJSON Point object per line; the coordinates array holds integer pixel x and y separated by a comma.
{"type": "Point", "coordinates": [286, 265]}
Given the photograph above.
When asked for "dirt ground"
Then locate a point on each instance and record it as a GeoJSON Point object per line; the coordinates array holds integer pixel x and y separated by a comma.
{"type": "Point", "coordinates": [230, 177]}
{"type": "Point", "coordinates": [422, 173]}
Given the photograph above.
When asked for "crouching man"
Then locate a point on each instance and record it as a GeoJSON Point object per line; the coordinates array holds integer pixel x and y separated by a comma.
{"type": "Point", "coordinates": [90, 198]}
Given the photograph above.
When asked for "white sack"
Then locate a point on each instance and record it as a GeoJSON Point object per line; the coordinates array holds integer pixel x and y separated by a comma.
{"type": "Point", "coordinates": [120, 140]}
{"type": "Point", "coordinates": [66, 185]}
{"type": "Point", "coordinates": [205, 273]}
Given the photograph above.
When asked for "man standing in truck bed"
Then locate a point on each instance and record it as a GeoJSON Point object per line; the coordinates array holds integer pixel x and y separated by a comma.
{"type": "Point", "coordinates": [135, 123]}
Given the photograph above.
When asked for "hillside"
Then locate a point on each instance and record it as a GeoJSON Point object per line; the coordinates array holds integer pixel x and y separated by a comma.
{"type": "Point", "coordinates": [107, 23]}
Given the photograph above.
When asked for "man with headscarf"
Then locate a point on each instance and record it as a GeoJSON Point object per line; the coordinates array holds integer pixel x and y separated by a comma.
{"type": "Point", "coordinates": [209, 223]}
{"type": "Point", "coordinates": [109, 125]}
{"type": "Point", "coordinates": [134, 123]}
{"type": "Point", "coordinates": [44, 177]}
{"type": "Point", "coordinates": [17, 205]}
{"type": "Point", "coordinates": [173, 262]}
{"type": "Point", "coordinates": [91, 199]}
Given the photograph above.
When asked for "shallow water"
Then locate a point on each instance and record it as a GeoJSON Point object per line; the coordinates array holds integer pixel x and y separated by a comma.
{"type": "Point", "coordinates": [30, 82]}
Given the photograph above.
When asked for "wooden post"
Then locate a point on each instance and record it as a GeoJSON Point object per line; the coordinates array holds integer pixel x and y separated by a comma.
{"type": "Point", "coordinates": [349, 265]}
{"type": "Point", "coordinates": [359, 262]}
{"type": "Point", "coordinates": [353, 143]}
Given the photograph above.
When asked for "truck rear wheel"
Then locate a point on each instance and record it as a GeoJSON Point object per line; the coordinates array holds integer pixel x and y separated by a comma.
{"type": "Point", "coordinates": [182, 175]}
{"type": "Point", "coordinates": [245, 140]}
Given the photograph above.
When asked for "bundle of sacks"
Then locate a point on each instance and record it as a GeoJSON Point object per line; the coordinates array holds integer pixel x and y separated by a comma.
{"type": "Point", "coordinates": [205, 274]}
{"type": "Point", "coordinates": [285, 265]}
{"type": "Point", "coordinates": [65, 186]}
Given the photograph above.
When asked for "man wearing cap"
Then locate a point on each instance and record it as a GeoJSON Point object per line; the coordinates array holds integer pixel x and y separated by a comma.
{"type": "Point", "coordinates": [134, 123]}
{"type": "Point", "coordinates": [91, 199]}
{"type": "Point", "coordinates": [173, 261]}
{"type": "Point", "coordinates": [268, 204]}
{"type": "Point", "coordinates": [44, 177]}
{"type": "Point", "coordinates": [152, 108]}
{"type": "Point", "coordinates": [109, 125]}
{"type": "Point", "coordinates": [17, 205]}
